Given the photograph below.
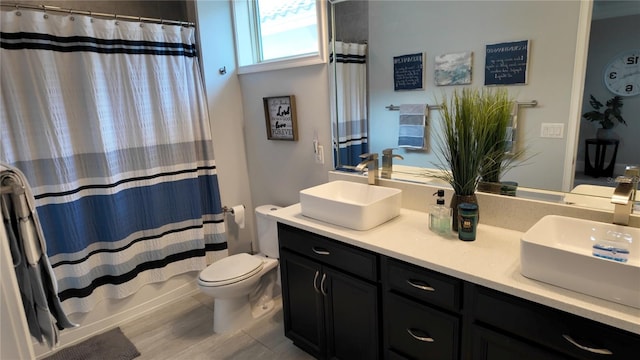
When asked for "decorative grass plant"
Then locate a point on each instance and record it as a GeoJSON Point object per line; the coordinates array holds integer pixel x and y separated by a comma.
{"type": "Point", "coordinates": [498, 119]}
{"type": "Point", "coordinates": [472, 142]}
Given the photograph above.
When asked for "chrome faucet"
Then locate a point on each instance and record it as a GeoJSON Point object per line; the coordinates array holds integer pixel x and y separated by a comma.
{"type": "Point", "coordinates": [370, 162]}
{"type": "Point", "coordinates": [387, 162]}
{"type": "Point", "coordinates": [624, 196]}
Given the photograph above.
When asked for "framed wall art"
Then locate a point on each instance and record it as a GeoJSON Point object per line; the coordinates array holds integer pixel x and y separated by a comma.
{"type": "Point", "coordinates": [408, 72]}
{"type": "Point", "coordinates": [453, 68]}
{"type": "Point", "coordinates": [506, 63]}
{"type": "Point", "coordinates": [280, 115]}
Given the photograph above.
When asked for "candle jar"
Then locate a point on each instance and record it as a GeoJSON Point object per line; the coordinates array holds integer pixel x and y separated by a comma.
{"type": "Point", "coordinates": [467, 221]}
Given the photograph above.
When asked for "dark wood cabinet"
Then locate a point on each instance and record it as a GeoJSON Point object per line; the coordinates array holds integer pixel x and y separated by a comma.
{"type": "Point", "coordinates": [329, 312]}
{"type": "Point", "coordinates": [343, 302]}
{"type": "Point", "coordinates": [550, 329]}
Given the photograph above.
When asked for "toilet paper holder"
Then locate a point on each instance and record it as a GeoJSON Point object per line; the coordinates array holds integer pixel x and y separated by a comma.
{"type": "Point", "coordinates": [227, 209]}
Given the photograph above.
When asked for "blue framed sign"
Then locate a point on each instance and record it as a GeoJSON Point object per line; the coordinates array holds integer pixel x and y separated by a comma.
{"type": "Point", "coordinates": [506, 63]}
{"type": "Point", "coordinates": [408, 72]}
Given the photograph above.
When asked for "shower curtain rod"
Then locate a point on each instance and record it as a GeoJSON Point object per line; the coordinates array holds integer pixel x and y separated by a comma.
{"type": "Point", "coordinates": [46, 8]}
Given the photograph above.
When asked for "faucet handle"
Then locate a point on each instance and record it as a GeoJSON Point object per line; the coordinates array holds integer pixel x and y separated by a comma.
{"type": "Point", "coordinates": [389, 153]}
{"type": "Point", "coordinates": [372, 156]}
{"type": "Point", "coordinates": [632, 171]}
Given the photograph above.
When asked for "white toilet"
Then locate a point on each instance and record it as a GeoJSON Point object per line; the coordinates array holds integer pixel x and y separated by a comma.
{"type": "Point", "coordinates": [238, 283]}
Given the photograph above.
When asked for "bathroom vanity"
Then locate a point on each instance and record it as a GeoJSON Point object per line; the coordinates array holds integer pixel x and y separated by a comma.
{"type": "Point", "coordinates": [399, 291]}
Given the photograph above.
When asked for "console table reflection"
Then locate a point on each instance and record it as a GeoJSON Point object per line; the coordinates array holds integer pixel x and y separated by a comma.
{"type": "Point", "coordinates": [598, 168]}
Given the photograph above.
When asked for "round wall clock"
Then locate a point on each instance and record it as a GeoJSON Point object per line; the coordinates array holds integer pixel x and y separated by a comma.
{"type": "Point", "coordinates": [622, 75]}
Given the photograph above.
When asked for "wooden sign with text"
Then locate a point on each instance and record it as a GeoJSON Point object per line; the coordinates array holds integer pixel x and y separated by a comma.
{"type": "Point", "coordinates": [280, 115]}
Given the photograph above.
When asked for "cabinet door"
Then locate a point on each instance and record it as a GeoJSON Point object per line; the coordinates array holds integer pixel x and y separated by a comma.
{"type": "Point", "coordinates": [351, 316]}
{"type": "Point", "coordinates": [491, 345]}
{"type": "Point", "coordinates": [302, 302]}
{"type": "Point", "coordinates": [551, 328]}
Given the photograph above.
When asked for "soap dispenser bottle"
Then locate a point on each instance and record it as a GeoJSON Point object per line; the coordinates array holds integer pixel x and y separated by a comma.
{"type": "Point", "coordinates": [440, 216]}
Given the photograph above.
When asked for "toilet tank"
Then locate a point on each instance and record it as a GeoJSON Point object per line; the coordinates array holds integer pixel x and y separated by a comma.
{"type": "Point", "coordinates": [267, 231]}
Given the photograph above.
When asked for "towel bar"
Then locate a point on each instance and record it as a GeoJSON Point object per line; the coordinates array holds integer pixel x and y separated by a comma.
{"type": "Point", "coordinates": [397, 107]}
{"type": "Point", "coordinates": [532, 103]}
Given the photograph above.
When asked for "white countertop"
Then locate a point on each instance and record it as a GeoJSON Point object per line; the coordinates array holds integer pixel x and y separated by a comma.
{"type": "Point", "coordinates": [492, 260]}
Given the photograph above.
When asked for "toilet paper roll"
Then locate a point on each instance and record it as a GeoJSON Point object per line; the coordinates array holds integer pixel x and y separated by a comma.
{"type": "Point", "coordinates": [238, 215]}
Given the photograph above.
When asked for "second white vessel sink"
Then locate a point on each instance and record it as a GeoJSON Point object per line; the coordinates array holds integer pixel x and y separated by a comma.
{"type": "Point", "coordinates": [591, 196]}
{"type": "Point", "coordinates": [352, 205]}
{"type": "Point", "coordinates": [559, 250]}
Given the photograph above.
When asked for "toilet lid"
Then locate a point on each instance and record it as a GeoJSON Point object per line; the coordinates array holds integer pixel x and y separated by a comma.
{"type": "Point", "coordinates": [230, 269]}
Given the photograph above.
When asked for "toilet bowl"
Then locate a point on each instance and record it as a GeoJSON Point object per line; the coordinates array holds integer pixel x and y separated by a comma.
{"type": "Point", "coordinates": [240, 284]}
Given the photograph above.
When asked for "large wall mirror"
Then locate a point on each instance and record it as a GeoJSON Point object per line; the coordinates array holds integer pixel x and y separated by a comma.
{"type": "Point", "coordinates": [571, 43]}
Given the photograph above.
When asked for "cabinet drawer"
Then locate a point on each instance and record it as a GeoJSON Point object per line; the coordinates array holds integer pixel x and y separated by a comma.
{"type": "Point", "coordinates": [557, 330]}
{"type": "Point", "coordinates": [422, 284]}
{"type": "Point", "coordinates": [345, 257]}
{"type": "Point", "coordinates": [418, 331]}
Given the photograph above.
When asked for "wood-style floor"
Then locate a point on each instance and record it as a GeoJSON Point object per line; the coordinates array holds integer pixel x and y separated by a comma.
{"type": "Point", "coordinates": [184, 330]}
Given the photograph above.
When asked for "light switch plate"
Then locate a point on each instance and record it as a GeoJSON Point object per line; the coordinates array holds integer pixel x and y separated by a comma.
{"type": "Point", "coordinates": [552, 130]}
{"type": "Point", "coordinates": [320, 155]}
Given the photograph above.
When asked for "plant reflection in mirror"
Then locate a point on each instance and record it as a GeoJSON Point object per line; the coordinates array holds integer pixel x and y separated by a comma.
{"type": "Point", "coordinates": [473, 139]}
{"type": "Point", "coordinates": [611, 115]}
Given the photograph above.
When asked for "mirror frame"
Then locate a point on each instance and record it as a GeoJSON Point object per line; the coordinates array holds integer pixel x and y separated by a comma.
{"type": "Point", "coordinates": [577, 92]}
{"type": "Point", "coordinates": [335, 128]}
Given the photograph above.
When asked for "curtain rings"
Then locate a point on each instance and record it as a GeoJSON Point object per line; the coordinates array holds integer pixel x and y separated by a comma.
{"type": "Point", "coordinates": [140, 21]}
{"type": "Point", "coordinates": [18, 12]}
{"type": "Point", "coordinates": [44, 9]}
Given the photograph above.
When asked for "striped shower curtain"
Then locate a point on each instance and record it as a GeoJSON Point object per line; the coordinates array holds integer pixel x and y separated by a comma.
{"type": "Point", "coordinates": [107, 119]}
{"type": "Point", "coordinates": [349, 103]}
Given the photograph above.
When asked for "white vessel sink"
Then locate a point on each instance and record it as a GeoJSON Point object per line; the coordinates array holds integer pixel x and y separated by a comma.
{"type": "Point", "coordinates": [559, 250]}
{"type": "Point", "coordinates": [591, 196]}
{"type": "Point", "coordinates": [352, 205]}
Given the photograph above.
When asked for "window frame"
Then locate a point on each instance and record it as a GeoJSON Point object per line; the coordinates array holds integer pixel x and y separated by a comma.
{"type": "Point", "coordinates": [285, 62]}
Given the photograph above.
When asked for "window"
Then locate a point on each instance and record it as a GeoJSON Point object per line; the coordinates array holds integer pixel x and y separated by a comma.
{"type": "Point", "coordinates": [276, 34]}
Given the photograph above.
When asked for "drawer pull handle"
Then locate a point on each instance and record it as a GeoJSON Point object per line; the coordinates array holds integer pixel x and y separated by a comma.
{"type": "Point", "coordinates": [324, 277]}
{"type": "Point", "coordinates": [420, 285]}
{"type": "Point", "coordinates": [320, 251]}
{"type": "Point", "coordinates": [315, 282]}
{"type": "Point", "coordinates": [422, 337]}
{"type": "Point", "coordinates": [586, 348]}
